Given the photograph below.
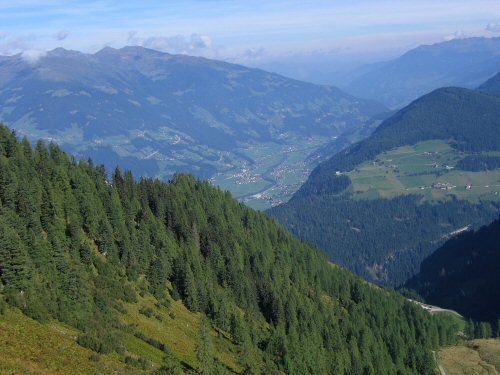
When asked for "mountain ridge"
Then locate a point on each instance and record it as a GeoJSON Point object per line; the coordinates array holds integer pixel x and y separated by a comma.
{"type": "Point", "coordinates": [383, 204]}
{"type": "Point", "coordinates": [460, 62]}
{"type": "Point", "coordinates": [492, 85]}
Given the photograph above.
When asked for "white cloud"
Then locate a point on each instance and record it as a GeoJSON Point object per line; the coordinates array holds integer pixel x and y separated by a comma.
{"type": "Point", "coordinates": [204, 40]}
{"type": "Point", "coordinates": [62, 34]}
{"type": "Point", "coordinates": [249, 56]}
{"type": "Point", "coordinates": [459, 34]}
{"type": "Point", "coordinates": [179, 44]}
{"type": "Point", "coordinates": [10, 45]}
{"type": "Point", "coordinates": [493, 28]}
{"type": "Point", "coordinates": [131, 38]}
{"type": "Point", "coordinates": [32, 55]}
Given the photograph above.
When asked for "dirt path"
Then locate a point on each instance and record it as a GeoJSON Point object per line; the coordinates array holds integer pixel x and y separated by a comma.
{"type": "Point", "coordinates": [442, 371]}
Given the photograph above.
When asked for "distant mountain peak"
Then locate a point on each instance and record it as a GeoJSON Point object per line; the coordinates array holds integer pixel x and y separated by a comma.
{"type": "Point", "coordinates": [459, 62]}
{"type": "Point", "coordinates": [66, 53]}
{"type": "Point", "coordinates": [129, 50]}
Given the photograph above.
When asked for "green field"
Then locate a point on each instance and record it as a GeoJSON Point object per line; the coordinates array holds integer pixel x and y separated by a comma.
{"type": "Point", "coordinates": [469, 357]}
{"type": "Point", "coordinates": [427, 169]}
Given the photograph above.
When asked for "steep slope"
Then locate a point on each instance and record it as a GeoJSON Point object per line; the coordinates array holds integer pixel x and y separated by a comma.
{"type": "Point", "coordinates": [134, 269]}
{"type": "Point", "coordinates": [460, 62]}
{"type": "Point", "coordinates": [382, 205]}
{"type": "Point", "coordinates": [29, 347]}
{"type": "Point", "coordinates": [348, 138]}
{"type": "Point", "coordinates": [158, 114]}
{"type": "Point", "coordinates": [463, 274]}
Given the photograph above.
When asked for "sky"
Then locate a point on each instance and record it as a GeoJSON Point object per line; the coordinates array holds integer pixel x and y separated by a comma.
{"type": "Point", "coordinates": [280, 34]}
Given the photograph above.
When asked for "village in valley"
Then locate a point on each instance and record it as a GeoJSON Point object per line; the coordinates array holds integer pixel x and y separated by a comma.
{"type": "Point", "coordinates": [270, 174]}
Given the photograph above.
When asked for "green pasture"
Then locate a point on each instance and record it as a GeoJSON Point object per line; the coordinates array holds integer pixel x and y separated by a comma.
{"type": "Point", "coordinates": [416, 169]}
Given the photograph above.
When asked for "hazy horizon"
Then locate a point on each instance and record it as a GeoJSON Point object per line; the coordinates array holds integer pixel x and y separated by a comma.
{"type": "Point", "coordinates": [288, 37]}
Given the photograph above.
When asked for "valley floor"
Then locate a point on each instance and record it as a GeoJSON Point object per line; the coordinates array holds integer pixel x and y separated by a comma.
{"type": "Point", "coordinates": [270, 173]}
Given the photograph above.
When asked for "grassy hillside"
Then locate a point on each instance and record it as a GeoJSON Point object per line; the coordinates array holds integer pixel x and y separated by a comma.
{"type": "Point", "coordinates": [29, 347]}
{"type": "Point", "coordinates": [467, 118]}
{"type": "Point", "coordinates": [481, 357]}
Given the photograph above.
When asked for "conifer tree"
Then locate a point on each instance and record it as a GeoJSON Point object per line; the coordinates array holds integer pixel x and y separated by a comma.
{"type": "Point", "coordinates": [170, 365]}
{"type": "Point", "coordinates": [205, 350]}
{"type": "Point", "coordinates": [14, 265]}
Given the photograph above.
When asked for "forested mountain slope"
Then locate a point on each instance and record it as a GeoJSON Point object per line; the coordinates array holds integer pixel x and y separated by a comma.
{"type": "Point", "coordinates": [158, 114]}
{"type": "Point", "coordinates": [468, 118]}
{"type": "Point", "coordinates": [131, 269]}
{"type": "Point", "coordinates": [382, 205]}
{"type": "Point", "coordinates": [460, 62]}
{"type": "Point", "coordinates": [463, 274]}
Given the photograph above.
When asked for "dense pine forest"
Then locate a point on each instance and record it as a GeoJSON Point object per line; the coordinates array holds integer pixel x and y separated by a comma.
{"type": "Point", "coordinates": [479, 163]}
{"type": "Point", "coordinates": [78, 247]}
{"type": "Point", "coordinates": [384, 240]}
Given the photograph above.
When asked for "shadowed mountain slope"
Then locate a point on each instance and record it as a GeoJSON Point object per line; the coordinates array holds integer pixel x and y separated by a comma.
{"type": "Point", "coordinates": [463, 274]}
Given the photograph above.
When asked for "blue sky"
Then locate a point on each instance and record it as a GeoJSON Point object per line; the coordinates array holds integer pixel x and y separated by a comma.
{"type": "Point", "coordinates": [248, 32]}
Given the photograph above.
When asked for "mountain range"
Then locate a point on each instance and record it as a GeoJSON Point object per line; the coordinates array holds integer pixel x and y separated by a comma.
{"type": "Point", "coordinates": [158, 114]}
{"type": "Point", "coordinates": [430, 171]}
{"type": "Point", "coordinates": [463, 62]}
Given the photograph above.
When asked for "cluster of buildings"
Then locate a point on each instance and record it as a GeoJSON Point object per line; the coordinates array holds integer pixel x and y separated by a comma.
{"type": "Point", "coordinates": [439, 186]}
